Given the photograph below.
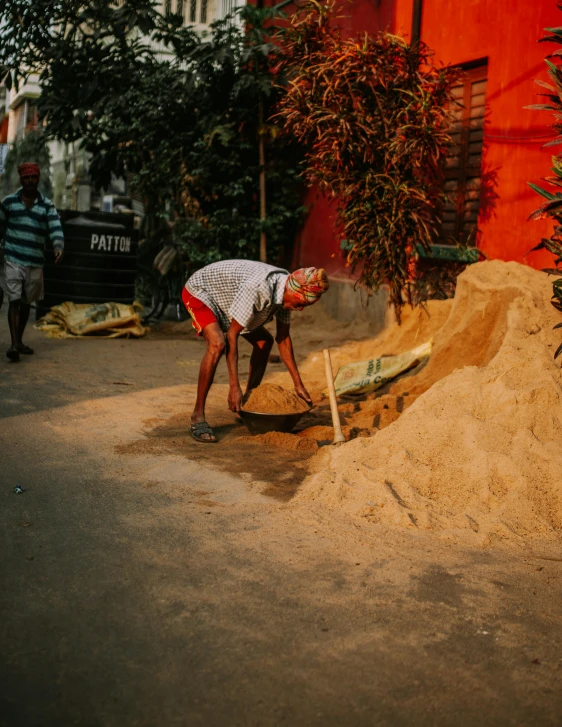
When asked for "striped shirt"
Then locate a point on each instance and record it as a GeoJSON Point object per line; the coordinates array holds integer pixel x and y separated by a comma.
{"type": "Point", "coordinates": [27, 229]}
{"type": "Point", "coordinates": [249, 292]}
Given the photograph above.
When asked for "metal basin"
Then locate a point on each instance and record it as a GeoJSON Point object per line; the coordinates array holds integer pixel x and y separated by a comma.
{"type": "Point", "coordinates": [259, 423]}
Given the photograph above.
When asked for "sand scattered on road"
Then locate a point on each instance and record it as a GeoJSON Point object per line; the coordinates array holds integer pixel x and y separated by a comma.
{"type": "Point", "coordinates": [281, 439]}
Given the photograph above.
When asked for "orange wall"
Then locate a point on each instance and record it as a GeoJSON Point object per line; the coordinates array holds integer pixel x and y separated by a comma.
{"type": "Point", "coordinates": [506, 33]}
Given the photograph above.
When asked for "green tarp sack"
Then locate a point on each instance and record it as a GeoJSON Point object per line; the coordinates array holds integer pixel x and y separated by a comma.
{"type": "Point", "coordinates": [365, 376]}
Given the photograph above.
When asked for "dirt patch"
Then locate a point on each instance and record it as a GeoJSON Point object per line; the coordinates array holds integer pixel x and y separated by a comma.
{"type": "Point", "coordinates": [283, 440]}
{"type": "Point", "coordinates": [273, 399]}
{"type": "Point", "coordinates": [362, 418]}
{"type": "Point", "coordinates": [321, 434]}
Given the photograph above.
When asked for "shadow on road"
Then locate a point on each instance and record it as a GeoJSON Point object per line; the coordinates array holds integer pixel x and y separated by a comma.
{"type": "Point", "coordinates": [280, 471]}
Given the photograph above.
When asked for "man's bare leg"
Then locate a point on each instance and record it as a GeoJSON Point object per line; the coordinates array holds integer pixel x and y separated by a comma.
{"type": "Point", "coordinates": [214, 338]}
{"type": "Point", "coordinates": [262, 343]}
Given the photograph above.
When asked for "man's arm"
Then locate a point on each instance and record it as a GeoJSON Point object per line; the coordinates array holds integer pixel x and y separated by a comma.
{"type": "Point", "coordinates": [285, 345]}
{"type": "Point", "coordinates": [56, 235]}
{"type": "Point", "coordinates": [235, 392]}
{"type": "Point", "coordinates": [3, 220]}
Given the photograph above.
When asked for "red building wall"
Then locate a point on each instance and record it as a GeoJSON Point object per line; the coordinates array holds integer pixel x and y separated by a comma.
{"type": "Point", "coordinates": [4, 130]}
{"type": "Point", "coordinates": [506, 34]}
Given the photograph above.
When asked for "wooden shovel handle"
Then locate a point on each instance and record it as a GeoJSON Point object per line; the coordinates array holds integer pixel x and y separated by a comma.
{"type": "Point", "coordinates": [338, 434]}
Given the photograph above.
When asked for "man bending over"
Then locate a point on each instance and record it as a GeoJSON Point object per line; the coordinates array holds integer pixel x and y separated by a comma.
{"type": "Point", "coordinates": [236, 298]}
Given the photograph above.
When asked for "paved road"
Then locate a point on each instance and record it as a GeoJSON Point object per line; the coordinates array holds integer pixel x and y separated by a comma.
{"type": "Point", "coordinates": [145, 586]}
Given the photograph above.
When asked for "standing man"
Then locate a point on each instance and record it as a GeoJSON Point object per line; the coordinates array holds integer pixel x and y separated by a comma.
{"type": "Point", "coordinates": [28, 220]}
{"type": "Point", "coordinates": [237, 297]}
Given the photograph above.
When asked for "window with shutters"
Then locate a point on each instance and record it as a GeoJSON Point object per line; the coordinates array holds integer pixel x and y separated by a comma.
{"type": "Point", "coordinates": [32, 117]}
{"type": "Point", "coordinates": [203, 18]}
{"type": "Point", "coordinates": [463, 165]}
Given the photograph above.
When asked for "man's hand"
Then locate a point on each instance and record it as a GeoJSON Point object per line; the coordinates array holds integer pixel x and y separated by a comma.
{"type": "Point", "coordinates": [59, 254]}
{"type": "Point", "coordinates": [303, 393]}
{"type": "Point", "coordinates": [235, 398]}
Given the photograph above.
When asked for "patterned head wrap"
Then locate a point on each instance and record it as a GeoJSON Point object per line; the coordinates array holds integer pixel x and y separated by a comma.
{"type": "Point", "coordinates": [29, 168]}
{"type": "Point", "coordinates": [308, 284]}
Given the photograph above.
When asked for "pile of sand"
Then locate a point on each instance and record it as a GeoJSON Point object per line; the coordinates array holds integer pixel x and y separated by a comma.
{"type": "Point", "coordinates": [273, 399]}
{"type": "Point", "coordinates": [479, 451]}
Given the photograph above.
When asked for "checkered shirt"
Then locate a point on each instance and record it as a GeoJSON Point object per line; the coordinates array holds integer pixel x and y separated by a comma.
{"type": "Point", "coordinates": [249, 292]}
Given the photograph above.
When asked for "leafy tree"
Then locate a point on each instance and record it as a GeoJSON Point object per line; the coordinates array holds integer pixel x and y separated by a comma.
{"type": "Point", "coordinates": [552, 208]}
{"type": "Point", "coordinates": [38, 33]}
{"type": "Point", "coordinates": [183, 126]}
{"type": "Point", "coordinates": [372, 114]}
{"type": "Point", "coordinates": [234, 72]}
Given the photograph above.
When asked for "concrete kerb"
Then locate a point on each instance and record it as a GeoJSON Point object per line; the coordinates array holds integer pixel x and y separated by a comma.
{"type": "Point", "coordinates": [345, 303]}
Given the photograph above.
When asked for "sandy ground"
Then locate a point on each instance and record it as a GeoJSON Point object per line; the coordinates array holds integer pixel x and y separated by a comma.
{"type": "Point", "coordinates": [150, 580]}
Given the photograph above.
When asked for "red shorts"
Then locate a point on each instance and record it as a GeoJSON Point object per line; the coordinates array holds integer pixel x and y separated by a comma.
{"type": "Point", "coordinates": [201, 315]}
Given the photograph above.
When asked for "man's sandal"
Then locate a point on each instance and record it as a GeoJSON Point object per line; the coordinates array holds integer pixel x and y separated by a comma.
{"type": "Point", "coordinates": [26, 350]}
{"type": "Point", "coordinates": [200, 428]}
{"type": "Point", "coordinates": [13, 354]}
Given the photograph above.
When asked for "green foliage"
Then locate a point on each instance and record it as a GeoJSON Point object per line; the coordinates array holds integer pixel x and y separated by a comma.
{"type": "Point", "coordinates": [436, 280]}
{"type": "Point", "coordinates": [554, 245]}
{"type": "Point", "coordinates": [38, 33]}
{"type": "Point", "coordinates": [32, 148]}
{"type": "Point", "coordinates": [552, 208]}
{"type": "Point", "coordinates": [182, 126]}
{"type": "Point", "coordinates": [372, 115]}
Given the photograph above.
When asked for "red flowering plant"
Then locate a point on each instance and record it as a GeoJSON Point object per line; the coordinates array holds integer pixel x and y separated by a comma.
{"type": "Point", "coordinates": [372, 115]}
